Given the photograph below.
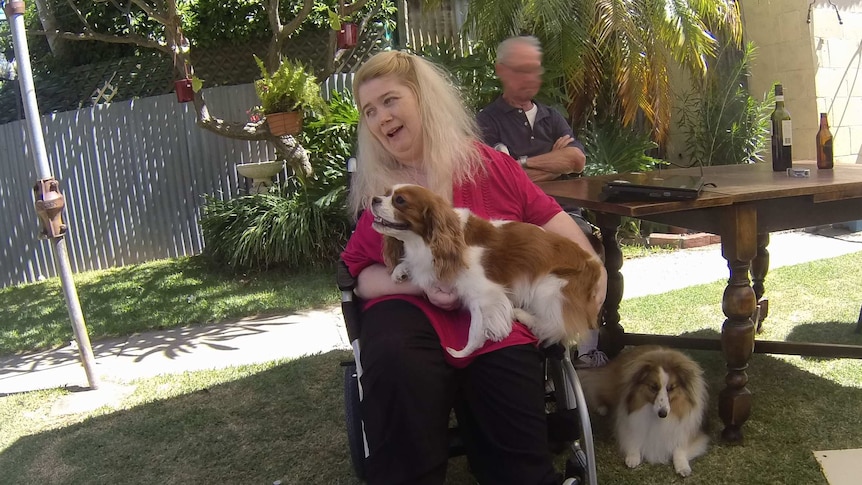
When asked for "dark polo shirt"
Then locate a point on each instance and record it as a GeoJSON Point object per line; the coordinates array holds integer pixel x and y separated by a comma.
{"type": "Point", "coordinates": [503, 123]}
{"type": "Point", "coordinates": [500, 122]}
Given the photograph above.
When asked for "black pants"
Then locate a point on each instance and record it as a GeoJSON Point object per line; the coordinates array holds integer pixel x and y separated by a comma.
{"type": "Point", "coordinates": [409, 391]}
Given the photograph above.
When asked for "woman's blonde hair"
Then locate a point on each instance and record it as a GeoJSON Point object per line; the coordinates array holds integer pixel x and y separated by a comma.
{"type": "Point", "coordinates": [449, 132]}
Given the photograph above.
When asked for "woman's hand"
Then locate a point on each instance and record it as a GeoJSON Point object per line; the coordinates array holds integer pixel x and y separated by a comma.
{"type": "Point", "coordinates": [375, 281]}
{"type": "Point", "coordinates": [443, 297]}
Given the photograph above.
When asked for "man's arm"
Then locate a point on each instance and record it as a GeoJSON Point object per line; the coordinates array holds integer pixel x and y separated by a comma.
{"type": "Point", "coordinates": [566, 155]}
{"type": "Point", "coordinates": [567, 159]}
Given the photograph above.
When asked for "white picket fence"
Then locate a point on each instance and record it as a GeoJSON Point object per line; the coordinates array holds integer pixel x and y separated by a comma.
{"type": "Point", "coordinates": [133, 174]}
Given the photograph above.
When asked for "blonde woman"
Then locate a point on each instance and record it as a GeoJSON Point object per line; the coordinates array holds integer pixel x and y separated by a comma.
{"type": "Point", "coordinates": [414, 128]}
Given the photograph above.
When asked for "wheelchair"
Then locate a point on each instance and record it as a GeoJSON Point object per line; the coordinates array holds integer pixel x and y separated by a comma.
{"type": "Point", "coordinates": [568, 421]}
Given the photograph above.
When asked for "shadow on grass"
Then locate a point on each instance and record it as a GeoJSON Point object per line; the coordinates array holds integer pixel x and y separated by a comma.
{"type": "Point", "coordinates": [172, 344]}
{"type": "Point", "coordinates": [826, 332]}
{"type": "Point", "coordinates": [287, 423]}
{"type": "Point", "coordinates": [154, 296]}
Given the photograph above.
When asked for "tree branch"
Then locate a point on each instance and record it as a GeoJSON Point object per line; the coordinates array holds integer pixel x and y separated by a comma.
{"type": "Point", "coordinates": [162, 19]}
{"type": "Point", "coordinates": [81, 17]}
{"type": "Point", "coordinates": [274, 17]}
{"type": "Point", "coordinates": [108, 38]}
{"type": "Point", "coordinates": [297, 21]}
{"type": "Point", "coordinates": [353, 7]}
{"type": "Point", "coordinates": [287, 146]}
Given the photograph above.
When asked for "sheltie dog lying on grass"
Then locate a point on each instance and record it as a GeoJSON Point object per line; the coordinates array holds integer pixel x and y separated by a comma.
{"type": "Point", "coordinates": [658, 398]}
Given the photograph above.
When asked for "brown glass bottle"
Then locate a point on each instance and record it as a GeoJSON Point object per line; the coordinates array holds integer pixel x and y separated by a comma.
{"type": "Point", "coordinates": [782, 136]}
{"type": "Point", "coordinates": [824, 144]}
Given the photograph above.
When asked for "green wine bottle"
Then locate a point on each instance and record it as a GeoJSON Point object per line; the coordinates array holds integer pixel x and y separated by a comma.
{"type": "Point", "coordinates": [782, 134]}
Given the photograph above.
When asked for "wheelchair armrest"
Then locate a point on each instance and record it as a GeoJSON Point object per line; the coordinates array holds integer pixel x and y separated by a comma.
{"type": "Point", "coordinates": [345, 280]}
{"type": "Point", "coordinates": [350, 304]}
{"type": "Point", "coordinates": [554, 351]}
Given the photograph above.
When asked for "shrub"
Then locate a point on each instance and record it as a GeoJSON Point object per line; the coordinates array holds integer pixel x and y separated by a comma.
{"type": "Point", "coordinates": [722, 122]}
{"type": "Point", "coordinates": [263, 230]}
{"type": "Point", "coordinates": [473, 71]}
{"type": "Point", "coordinates": [611, 147]}
{"type": "Point", "coordinates": [302, 222]}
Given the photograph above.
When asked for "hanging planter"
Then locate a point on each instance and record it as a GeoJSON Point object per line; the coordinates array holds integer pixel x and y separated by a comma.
{"type": "Point", "coordinates": [347, 35]}
{"type": "Point", "coordinates": [184, 90]}
{"type": "Point", "coordinates": [285, 94]}
{"type": "Point", "coordinates": [185, 87]}
{"type": "Point", "coordinates": [286, 123]}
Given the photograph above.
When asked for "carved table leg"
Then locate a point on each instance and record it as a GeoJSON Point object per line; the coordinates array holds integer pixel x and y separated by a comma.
{"type": "Point", "coordinates": [759, 267]}
{"type": "Point", "coordinates": [612, 333]}
{"type": "Point", "coordinates": [738, 246]}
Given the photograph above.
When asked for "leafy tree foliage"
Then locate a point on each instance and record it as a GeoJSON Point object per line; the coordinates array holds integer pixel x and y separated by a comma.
{"type": "Point", "coordinates": [614, 55]}
{"type": "Point", "coordinates": [162, 25]}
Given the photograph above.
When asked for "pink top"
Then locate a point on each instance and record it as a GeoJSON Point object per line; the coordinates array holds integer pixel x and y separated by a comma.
{"type": "Point", "coordinates": [504, 192]}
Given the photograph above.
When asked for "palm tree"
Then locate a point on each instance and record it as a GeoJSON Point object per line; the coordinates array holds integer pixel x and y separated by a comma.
{"type": "Point", "coordinates": [613, 55]}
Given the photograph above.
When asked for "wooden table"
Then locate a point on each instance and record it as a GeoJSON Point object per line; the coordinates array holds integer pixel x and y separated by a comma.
{"type": "Point", "coordinates": [746, 203]}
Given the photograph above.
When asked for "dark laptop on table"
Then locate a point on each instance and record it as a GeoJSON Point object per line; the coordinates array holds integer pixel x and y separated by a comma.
{"type": "Point", "coordinates": [658, 186]}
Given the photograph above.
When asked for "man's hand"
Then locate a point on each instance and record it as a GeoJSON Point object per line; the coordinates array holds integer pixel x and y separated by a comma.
{"type": "Point", "coordinates": [562, 142]}
{"type": "Point", "coordinates": [443, 297]}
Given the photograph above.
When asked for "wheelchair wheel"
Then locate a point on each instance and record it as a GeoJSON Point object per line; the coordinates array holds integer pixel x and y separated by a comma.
{"type": "Point", "coordinates": [583, 458]}
{"type": "Point", "coordinates": [569, 398]}
{"type": "Point", "coordinates": [355, 438]}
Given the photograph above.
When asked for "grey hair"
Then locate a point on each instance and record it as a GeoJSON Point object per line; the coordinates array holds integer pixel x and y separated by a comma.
{"type": "Point", "coordinates": [504, 50]}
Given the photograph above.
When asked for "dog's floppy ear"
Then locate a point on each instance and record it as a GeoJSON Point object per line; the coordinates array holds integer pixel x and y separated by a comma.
{"type": "Point", "coordinates": [688, 373]}
{"type": "Point", "coordinates": [642, 372]}
{"type": "Point", "coordinates": [636, 372]}
{"type": "Point", "coordinates": [393, 251]}
{"type": "Point", "coordinates": [446, 240]}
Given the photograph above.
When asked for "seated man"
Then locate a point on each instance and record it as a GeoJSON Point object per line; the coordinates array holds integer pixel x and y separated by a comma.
{"type": "Point", "coordinates": [532, 133]}
{"type": "Point", "coordinates": [535, 135]}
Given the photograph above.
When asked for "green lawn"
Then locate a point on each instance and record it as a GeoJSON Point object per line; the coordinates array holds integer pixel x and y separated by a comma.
{"type": "Point", "coordinates": [152, 296]}
{"type": "Point", "coordinates": [164, 294]}
{"type": "Point", "coordinates": [284, 420]}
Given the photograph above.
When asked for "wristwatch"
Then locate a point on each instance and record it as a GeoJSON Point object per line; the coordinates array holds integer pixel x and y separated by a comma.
{"type": "Point", "coordinates": [523, 161]}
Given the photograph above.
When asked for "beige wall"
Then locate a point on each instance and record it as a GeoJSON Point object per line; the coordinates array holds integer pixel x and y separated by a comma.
{"type": "Point", "coordinates": [818, 63]}
{"type": "Point", "coordinates": [838, 78]}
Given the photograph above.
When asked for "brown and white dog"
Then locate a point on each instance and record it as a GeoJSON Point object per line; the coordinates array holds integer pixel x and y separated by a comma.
{"type": "Point", "coordinates": [500, 270]}
{"type": "Point", "coordinates": [658, 400]}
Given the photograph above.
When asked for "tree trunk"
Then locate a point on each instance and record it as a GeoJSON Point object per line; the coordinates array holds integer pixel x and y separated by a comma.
{"type": "Point", "coordinates": [59, 47]}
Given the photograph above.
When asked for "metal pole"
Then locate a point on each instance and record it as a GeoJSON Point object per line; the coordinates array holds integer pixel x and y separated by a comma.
{"type": "Point", "coordinates": [49, 201]}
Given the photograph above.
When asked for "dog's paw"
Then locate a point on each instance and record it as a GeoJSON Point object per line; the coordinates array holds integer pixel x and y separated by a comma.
{"type": "Point", "coordinates": [684, 470]}
{"type": "Point", "coordinates": [633, 460]}
{"type": "Point", "coordinates": [497, 329]}
{"type": "Point", "coordinates": [400, 273]}
{"type": "Point", "coordinates": [497, 334]}
{"type": "Point", "coordinates": [497, 322]}
{"type": "Point", "coordinates": [522, 316]}
{"type": "Point", "coordinates": [680, 463]}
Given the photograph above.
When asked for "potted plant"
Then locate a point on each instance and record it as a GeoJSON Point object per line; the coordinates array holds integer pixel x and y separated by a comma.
{"type": "Point", "coordinates": [285, 93]}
